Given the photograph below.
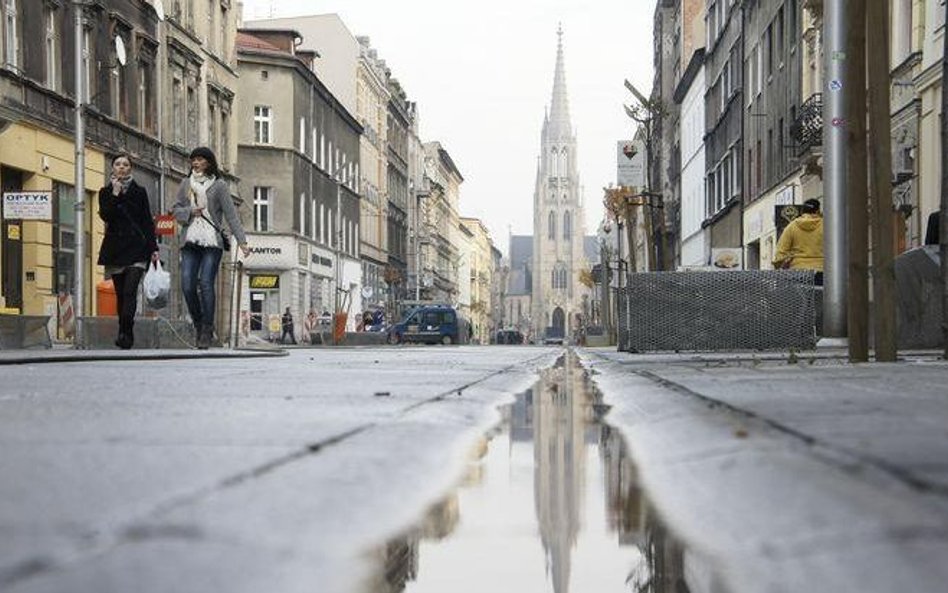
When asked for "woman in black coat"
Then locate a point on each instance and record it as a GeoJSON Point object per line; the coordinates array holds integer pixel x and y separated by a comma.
{"type": "Point", "coordinates": [129, 242]}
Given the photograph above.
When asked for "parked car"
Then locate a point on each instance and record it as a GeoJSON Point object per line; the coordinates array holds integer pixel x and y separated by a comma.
{"type": "Point", "coordinates": [431, 324]}
{"type": "Point", "coordinates": [509, 336]}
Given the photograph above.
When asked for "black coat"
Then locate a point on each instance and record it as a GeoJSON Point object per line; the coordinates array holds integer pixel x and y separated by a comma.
{"type": "Point", "coordinates": [129, 227]}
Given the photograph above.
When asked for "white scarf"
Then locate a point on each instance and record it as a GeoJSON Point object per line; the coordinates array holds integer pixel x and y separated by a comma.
{"type": "Point", "coordinates": [200, 231]}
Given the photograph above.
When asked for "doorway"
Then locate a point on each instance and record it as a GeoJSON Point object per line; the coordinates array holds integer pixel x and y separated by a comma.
{"type": "Point", "coordinates": [11, 284]}
{"type": "Point", "coordinates": [559, 322]}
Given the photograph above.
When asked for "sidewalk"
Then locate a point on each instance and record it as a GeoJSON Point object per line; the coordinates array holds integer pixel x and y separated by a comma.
{"type": "Point", "coordinates": [791, 473]}
{"type": "Point", "coordinates": [65, 353]}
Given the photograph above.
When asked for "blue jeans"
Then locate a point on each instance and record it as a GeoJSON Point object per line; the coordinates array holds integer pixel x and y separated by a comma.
{"type": "Point", "coordinates": [199, 267]}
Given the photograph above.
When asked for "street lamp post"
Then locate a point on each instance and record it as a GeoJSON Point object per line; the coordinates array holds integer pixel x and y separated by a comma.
{"type": "Point", "coordinates": [80, 186]}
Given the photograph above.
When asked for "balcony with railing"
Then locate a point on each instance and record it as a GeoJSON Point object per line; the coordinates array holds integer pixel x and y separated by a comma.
{"type": "Point", "coordinates": [807, 129]}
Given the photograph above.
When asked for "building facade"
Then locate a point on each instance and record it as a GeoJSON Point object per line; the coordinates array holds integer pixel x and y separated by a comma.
{"type": "Point", "coordinates": [400, 115]}
{"type": "Point", "coordinates": [695, 249]}
{"type": "Point", "coordinates": [480, 272]}
{"type": "Point", "coordinates": [440, 252]}
{"type": "Point", "coordinates": [300, 149]}
{"type": "Point", "coordinates": [773, 95]}
{"type": "Point", "coordinates": [558, 220]}
{"type": "Point", "coordinates": [37, 131]}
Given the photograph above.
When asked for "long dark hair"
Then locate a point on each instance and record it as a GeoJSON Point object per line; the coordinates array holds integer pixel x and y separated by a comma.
{"type": "Point", "coordinates": [208, 155]}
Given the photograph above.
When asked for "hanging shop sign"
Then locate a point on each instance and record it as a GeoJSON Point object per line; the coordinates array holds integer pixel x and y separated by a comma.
{"type": "Point", "coordinates": [34, 205]}
{"type": "Point", "coordinates": [164, 224]}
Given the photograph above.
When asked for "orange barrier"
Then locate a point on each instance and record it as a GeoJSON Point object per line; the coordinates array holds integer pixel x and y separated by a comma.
{"type": "Point", "coordinates": [106, 301]}
{"type": "Point", "coordinates": [339, 326]}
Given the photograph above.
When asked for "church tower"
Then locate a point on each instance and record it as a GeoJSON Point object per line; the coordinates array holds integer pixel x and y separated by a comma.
{"type": "Point", "coordinates": [558, 222]}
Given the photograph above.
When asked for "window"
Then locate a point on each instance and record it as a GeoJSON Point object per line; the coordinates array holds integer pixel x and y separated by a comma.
{"type": "Point", "coordinates": [11, 42]}
{"type": "Point", "coordinates": [120, 90]}
{"type": "Point", "coordinates": [303, 135]}
{"type": "Point", "coordinates": [212, 122]}
{"type": "Point", "coordinates": [261, 209]}
{"type": "Point", "coordinates": [302, 215]}
{"type": "Point", "coordinates": [51, 19]}
{"type": "Point", "coordinates": [759, 79]}
{"type": "Point", "coordinates": [779, 32]}
{"type": "Point", "coordinates": [87, 53]}
{"type": "Point", "coordinates": [567, 226]}
{"type": "Point", "coordinates": [780, 141]}
{"type": "Point", "coordinates": [192, 113]}
{"type": "Point", "coordinates": [177, 107]}
{"type": "Point", "coordinates": [224, 156]}
{"type": "Point", "coordinates": [262, 123]}
{"type": "Point", "coordinates": [551, 231]}
{"type": "Point", "coordinates": [565, 164]}
{"type": "Point", "coordinates": [554, 163]}
{"type": "Point", "coordinates": [322, 223]}
{"type": "Point", "coordinates": [753, 79]}
{"type": "Point", "coordinates": [313, 221]}
{"type": "Point", "coordinates": [769, 46]}
{"type": "Point", "coordinates": [144, 96]}
{"type": "Point", "coordinates": [792, 22]}
{"type": "Point", "coordinates": [211, 25]}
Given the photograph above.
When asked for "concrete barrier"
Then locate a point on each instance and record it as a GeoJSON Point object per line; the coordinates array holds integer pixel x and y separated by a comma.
{"type": "Point", "coordinates": [98, 333]}
{"type": "Point", "coordinates": [24, 331]}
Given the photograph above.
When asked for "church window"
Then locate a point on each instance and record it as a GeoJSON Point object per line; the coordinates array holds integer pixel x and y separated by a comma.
{"type": "Point", "coordinates": [567, 226]}
{"type": "Point", "coordinates": [554, 162]}
{"type": "Point", "coordinates": [551, 231]}
{"type": "Point", "coordinates": [565, 164]}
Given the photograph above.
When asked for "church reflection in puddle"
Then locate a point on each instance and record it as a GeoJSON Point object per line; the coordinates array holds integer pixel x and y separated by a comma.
{"type": "Point", "coordinates": [551, 503]}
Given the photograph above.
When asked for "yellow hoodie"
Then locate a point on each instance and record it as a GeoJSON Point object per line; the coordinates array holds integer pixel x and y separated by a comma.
{"type": "Point", "coordinates": [801, 244]}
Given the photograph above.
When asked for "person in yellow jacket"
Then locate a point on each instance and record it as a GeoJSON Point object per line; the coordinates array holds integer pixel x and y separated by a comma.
{"type": "Point", "coordinates": [801, 245]}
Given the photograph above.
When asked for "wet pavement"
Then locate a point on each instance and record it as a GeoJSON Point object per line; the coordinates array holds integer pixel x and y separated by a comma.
{"type": "Point", "coordinates": [550, 503]}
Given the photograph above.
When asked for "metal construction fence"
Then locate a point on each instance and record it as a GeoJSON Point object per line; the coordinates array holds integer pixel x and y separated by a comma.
{"type": "Point", "coordinates": [733, 310]}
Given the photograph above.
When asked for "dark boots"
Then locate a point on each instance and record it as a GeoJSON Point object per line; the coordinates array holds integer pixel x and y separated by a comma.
{"type": "Point", "coordinates": [126, 336]}
{"type": "Point", "coordinates": [205, 335]}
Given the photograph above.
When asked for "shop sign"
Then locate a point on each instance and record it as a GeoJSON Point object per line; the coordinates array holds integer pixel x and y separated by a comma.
{"type": "Point", "coordinates": [37, 205]}
{"type": "Point", "coordinates": [321, 261]}
{"type": "Point", "coordinates": [164, 224]}
{"type": "Point", "coordinates": [13, 232]}
{"type": "Point", "coordinates": [272, 252]}
{"type": "Point", "coordinates": [264, 281]}
{"type": "Point", "coordinates": [785, 196]}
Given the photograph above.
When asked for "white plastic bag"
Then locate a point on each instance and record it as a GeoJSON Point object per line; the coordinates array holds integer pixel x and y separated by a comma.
{"type": "Point", "coordinates": [157, 286]}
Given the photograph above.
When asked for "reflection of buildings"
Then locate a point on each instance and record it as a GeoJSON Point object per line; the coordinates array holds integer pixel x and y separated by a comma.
{"type": "Point", "coordinates": [559, 474]}
{"type": "Point", "coordinates": [397, 559]}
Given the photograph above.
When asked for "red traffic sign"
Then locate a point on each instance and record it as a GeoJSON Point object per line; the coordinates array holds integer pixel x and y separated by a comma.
{"type": "Point", "coordinates": [164, 224]}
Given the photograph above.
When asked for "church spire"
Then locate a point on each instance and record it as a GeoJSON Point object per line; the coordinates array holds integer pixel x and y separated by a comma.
{"type": "Point", "coordinates": [559, 106]}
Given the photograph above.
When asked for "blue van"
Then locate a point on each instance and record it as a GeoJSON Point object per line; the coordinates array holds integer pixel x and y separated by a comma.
{"type": "Point", "coordinates": [431, 324]}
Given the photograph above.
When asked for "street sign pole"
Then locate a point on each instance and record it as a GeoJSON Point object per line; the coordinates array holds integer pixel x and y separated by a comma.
{"type": "Point", "coordinates": [80, 187]}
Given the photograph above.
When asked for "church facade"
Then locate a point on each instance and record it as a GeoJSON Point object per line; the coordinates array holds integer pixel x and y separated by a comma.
{"type": "Point", "coordinates": [559, 299]}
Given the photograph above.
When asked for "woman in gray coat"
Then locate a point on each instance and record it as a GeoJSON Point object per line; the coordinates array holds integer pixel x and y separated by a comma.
{"type": "Point", "coordinates": [202, 205]}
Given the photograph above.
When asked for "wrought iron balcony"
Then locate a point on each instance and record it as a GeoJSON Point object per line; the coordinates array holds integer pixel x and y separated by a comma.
{"type": "Point", "coordinates": [807, 129]}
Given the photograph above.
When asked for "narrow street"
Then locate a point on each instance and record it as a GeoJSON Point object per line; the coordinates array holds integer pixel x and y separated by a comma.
{"type": "Point", "coordinates": [380, 470]}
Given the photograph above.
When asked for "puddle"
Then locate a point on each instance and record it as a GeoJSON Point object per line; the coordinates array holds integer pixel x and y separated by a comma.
{"type": "Point", "coordinates": [551, 503]}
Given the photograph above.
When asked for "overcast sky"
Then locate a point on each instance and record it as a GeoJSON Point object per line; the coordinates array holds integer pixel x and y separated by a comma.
{"type": "Point", "coordinates": [482, 75]}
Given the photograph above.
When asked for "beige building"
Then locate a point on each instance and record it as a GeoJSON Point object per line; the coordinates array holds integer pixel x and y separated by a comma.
{"type": "Point", "coordinates": [167, 87]}
{"type": "Point", "coordinates": [372, 97]}
{"type": "Point", "coordinates": [927, 27]}
{"type": "Point", "coordinates": [440, 255]}
{"type": "Point", "coordinates": [479, 278]}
